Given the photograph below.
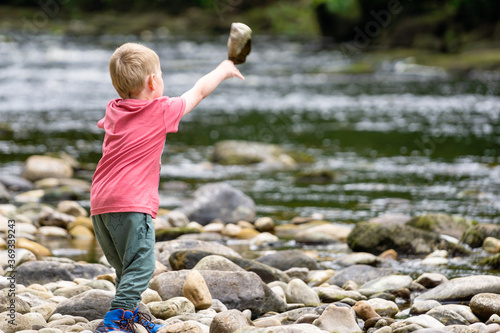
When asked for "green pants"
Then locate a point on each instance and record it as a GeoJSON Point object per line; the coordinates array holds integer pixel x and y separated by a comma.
{"type": "Point", "coordinates": [127, 240]}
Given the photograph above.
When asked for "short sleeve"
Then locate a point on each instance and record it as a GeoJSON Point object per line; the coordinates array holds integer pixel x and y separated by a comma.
{"type": "Point", "coordinates": [100, 123]}
{"type": "Point", "coordinates": [173, 112]}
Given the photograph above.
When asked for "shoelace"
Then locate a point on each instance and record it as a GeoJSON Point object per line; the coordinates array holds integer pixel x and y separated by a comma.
{"type": "Point", "coordinates": [145, 320]}
{"type": "Point", "coordinates": [127, 324]}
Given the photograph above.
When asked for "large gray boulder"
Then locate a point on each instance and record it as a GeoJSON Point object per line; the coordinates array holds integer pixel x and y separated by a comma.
{"type": "Point", "coordinates": [485, 305]}
{"type": "Point", "coordinates": [442, 223]}
{"type": "Point", "coordinates": [287, 259]}
{"type": "Point", "coordinates": [235, 152]}
{"type": "Point", "coordinates": [463, 289]}
{"type": "Point", "coordinates": [376, 238]}
{"type": "Point", "coordinates": [219, 201]}
{"type": "Point", "coordinates": [43, 272]}
{"type": "Point", "coordinates": [475, 235]}
{"type": "Point", "coordinates": [92, 304]}
{"type": "Point", "coordinates": [236, 290]}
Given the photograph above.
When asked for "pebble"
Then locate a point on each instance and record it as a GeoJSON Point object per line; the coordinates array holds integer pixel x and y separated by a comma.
{"type": "Point", "coordinates": [173, 307]}
{"type": "Point", "coordinates": [338, 319]}
{"type": "Point", "coordinates": [299, 292]}
{"type": "Point", "coordinates": [229, 322]}
{"type": "Point", "coordinates": [196, 290]}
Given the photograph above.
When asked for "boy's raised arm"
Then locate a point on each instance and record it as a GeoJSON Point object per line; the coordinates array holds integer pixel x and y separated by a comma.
{"type": "Point", "coordinates": [207, 84]}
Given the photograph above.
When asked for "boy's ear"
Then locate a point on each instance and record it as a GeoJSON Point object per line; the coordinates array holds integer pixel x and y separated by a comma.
{"type": "Point", "coordinates": [151, 82]}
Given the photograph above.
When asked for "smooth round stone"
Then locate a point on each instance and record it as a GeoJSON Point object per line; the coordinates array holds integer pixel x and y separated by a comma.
{"type": "Point", "coordinates": [447, 316]}
{"type": "Point", "coordinates": [423, 306]}
{"type": "Point", "coordinates": [323, 233]}
{"type": "Point", "coordinates": [493, 328]}
{"type": "Point", "coordinates": [491, 245]}
{"type": "Point", "coordinates": [264, 224]}
{"type": "Point", "coordinates": [425, 321]}
{"type": "Point", "coordinates": [300, 273]}
{"type": "Point", "coordinates": [463, 288]}
{"type": "Point", "coordinates": [182, 327]}
{"type": "Point", "coordinates": [216, 227]}
{"type": "Point", "coordinates": [247, 233]}
{"type": "Point", "coordinates": [317, 278]}
{"type": "Point", "coordinates": [231, 230]}
{"type": "Point", "coordinates": [435, 261]}
{"type": "Point", "coordinates": [196, 290]}
{"type": "Point", "coordinates": [52, 231]}
{"type": "Point", "coordinates": [299, 292]}
{"type": "Point", "coordinates": [358, 258]}
{"type": "Point", "coordinates": [70, 292]}
{"type": "Point", "coordinates": [279, 292]}
{"type": "Point", "coordinates": [485, 305]}
{"type": "Point", "coordinates": [493, 319]}
{"type": "Point", "coordinates": [65, 320]}
{"type": "Point", "coordinates": [20, 322]}
{"type": "Point", "coordinates": [53, 286]}
{"type": "Point", "coordinates": [46, 310]}
{"type": "Point", "coordinates": [39, 167]}
{"type": "Point", "coordinates": [81, 232]}
{"type": "Point", "coordinates": [176, 218]}
{"type": "Point", "coordinates": [100, 284]}
{"type": "Point", "coordinates": [229, 321]}
{"type": "Point", "coordinates": [35, 318]}
{"type": "Point", "coordinates": [27, 228]}
{"type": "Point", "coordinates": [383, 307]}
{"type": "Point", "coordinates": [337, 319]}
{"type": "Point", "coordinates": [150, 295]}
{"type": "Point", "coordinates": [21, 305]}
{"type": "Point", "coordinates": [264, 238]}
{"type": "Point", "coordinates": [334, 294]}
{"type": "Point", "coordinates": [431, 280]}
{"type": "Point", "coordinates": [217, 263]}
{"type": "Point", "coordinates": [37, 249]}
{"type": "Point", "coordinates": [71, 208]}
{"type": "Point", "coordinates": [50, 330]}
{"type": "Point", "coordinates": [387, 283]}
{"type": "Point", "coordinates": [170, 308]}
{"type": "Point", "coordinates": [364, 310]}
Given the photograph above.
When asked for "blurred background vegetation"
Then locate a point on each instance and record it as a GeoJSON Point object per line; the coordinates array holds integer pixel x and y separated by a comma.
{"type": "Point", "coordinates": [440, 25]}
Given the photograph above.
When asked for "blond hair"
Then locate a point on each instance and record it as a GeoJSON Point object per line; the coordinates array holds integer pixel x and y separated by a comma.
{"type": "Point", "coordinates": [129, 67]}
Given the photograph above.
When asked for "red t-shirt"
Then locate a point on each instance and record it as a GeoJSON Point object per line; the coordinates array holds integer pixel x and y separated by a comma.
{"type": "Point", "coordinates": [128, 174]}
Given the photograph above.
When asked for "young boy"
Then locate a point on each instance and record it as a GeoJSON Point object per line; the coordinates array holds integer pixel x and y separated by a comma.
{"type": "Point", "coordinates": [124, 196]}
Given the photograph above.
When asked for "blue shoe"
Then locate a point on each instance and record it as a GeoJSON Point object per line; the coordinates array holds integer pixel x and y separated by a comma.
{"type": "Point", "coordinates": [146, 321]}
{"type": "Point", "coordinates": [117, 320]}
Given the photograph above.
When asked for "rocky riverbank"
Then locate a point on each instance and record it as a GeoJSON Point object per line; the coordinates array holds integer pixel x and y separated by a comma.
{"type": "Point", "coordinates": [203, 285]}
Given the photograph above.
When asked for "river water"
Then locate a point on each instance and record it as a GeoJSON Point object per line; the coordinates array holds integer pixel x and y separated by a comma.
{"type": "Point", "coordinates": [404, 139]}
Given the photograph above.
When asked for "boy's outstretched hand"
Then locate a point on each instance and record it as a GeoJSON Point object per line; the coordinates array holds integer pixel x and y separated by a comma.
{"type": "Point", "coordinates": [231, 70]}
{"type": "Point", "coordinates": [207, 84]}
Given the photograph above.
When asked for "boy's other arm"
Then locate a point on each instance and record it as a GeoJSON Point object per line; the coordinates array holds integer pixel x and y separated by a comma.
{"type": "Point", "coordinates": [207, 84]}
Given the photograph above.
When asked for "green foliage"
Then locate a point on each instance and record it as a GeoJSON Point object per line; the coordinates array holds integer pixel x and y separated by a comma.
{"type": "Point", "coordinates": [346, 8]}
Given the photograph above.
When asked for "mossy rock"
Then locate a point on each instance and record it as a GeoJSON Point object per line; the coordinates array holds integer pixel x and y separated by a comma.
{"type": "Point", "coordinates": [475, 235]}
{"type": "Point", "coordinates": [6, 132]}
{"type": "Point", "coordinates": [375, 238]}
{"type": "Point", "coordinates": [455, 249]}
{"type": "Point", "coordinates": [173, 233]}
{"type": "Point", "coordinates": [315, 177]}
{"type": "Point", "coordinates": [446, 224]}
{"type": "Point", "coordinates": [301, 157]}
{"type": "Point", "coordinates": [492, 261]}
